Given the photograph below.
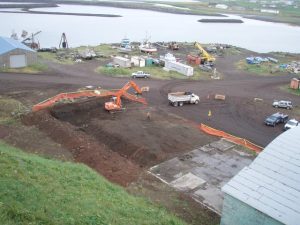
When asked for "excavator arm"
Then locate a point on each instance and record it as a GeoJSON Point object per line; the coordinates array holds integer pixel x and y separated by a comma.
{"type": "Point", "coordinates": [117, 105]}
{"type": "Point", "coordinates": [113, 105]}
{"type": "Point", "coordinates": [135, 98]}
{"type": "Point", "coordinates": [70, 96]}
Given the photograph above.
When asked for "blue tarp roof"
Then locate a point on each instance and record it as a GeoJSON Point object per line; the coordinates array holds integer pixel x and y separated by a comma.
{"type": "Point", "coordinates": [8, 44]}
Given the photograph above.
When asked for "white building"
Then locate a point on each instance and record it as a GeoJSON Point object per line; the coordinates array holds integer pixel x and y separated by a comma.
{"type": "Point", "coordinates": [221, 6]}
{"type": "Point", "coordinates": [269, 11]}
{"type": "Point", "coordinates": [168, 57]}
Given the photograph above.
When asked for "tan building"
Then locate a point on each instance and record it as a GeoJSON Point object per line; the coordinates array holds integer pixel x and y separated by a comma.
{"type": "Point", "coordinates": [14, 54]}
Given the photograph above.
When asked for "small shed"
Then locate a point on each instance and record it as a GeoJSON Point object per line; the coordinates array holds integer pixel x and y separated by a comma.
{"type": "Point", "coordinates": [295, 83]}
{"type": "Point", "coordinates": [14, 54]}
{"type": "Point", "coordinates": [138, 61]}
{"type": "Point", "coordinates": [194, 60]}
{"type": "Point", "coordinates": [267, 192]}
{"type": "Point", "coordinates": [123, 62]}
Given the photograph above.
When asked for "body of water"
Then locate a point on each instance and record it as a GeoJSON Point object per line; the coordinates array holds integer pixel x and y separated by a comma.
{"type": "Point", "coordinates": [136, 24]}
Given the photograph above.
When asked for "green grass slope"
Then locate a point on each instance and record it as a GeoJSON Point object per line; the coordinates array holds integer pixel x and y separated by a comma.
{"type": "Point", "coordinates": [35, 190]}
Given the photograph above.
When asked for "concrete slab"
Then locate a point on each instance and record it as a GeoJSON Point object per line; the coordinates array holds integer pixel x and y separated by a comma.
{"type": "Point", "coordinates": [202, 173]}
{"type": "Point", "coordinates": [187, 182]}
{"type": "Point", "coordinates": [212, 198]}
{"type": "Point", "coordinates": [206, 148]}
{"type": "Point", "coordinates": [222, 145]}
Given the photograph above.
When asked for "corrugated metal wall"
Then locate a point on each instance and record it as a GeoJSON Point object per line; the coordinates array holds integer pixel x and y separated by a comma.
{"type": "Point", "coordinates": [236, 212]}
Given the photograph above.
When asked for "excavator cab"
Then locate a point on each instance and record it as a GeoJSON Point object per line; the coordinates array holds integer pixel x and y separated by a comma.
{"type": "Point", "coordinates": [116, 104]}
{"type": "Point", "coordinates": [112, 105]}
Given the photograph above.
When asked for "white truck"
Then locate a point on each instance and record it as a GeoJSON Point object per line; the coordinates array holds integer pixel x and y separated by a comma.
{"type": "Point", "coordinates": [290, 124]}
{"type": "Point", "coordinates": [180, 98]}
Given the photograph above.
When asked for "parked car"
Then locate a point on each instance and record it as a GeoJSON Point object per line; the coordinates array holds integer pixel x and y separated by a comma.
{"type": "Point", "coordinates": [290, 124]}
{"type": "Point", "coordinates": [276, 118]}
{"type": "Point", "coordinates": [140, 74]}
{"type": "Point", "coordinates": [282, 104]}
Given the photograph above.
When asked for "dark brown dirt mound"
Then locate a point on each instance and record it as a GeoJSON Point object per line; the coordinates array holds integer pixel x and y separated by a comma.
{"type": "Point", "coordinates": [85, 148]}
{"type": "Point", "coordinates": [117, 145]}
{"type": "Point", "coordinates": [4, 131]}
{"type": "Point", "coordinates": [130, 133]}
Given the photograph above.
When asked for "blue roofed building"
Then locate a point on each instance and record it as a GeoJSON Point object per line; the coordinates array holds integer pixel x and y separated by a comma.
{"type": "Point", "coordinates": [267, 192]}
{"type": "Point", "coordinates": [14, 54]}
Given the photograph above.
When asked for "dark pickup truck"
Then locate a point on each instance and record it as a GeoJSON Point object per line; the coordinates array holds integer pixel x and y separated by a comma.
{"type": "Point", "coordinates": [276, 118]}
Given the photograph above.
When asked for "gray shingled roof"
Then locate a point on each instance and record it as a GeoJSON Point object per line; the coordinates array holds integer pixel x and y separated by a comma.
{"type": "Point", "coordinates": [8, 44]}
{"type": "Point", "coordinates": [271, 183]}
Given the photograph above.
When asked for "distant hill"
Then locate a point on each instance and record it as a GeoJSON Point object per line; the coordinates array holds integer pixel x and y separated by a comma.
{"type": "Point", "coordinates": [35, 190]}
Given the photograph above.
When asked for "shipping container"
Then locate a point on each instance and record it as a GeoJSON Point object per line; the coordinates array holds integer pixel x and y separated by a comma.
{"type": "Point", "coordinates": [194, 60]}
{"type": "Point", "coordinates": [180, 68]}
{"type": "Point", "coordinates": [149, 62]}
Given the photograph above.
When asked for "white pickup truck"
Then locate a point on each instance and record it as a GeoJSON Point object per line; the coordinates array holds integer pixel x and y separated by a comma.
{"type": "Point", "coordinates": [180, 98]}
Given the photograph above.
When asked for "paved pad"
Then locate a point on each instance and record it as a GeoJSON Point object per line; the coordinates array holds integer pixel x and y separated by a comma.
{"type": "Point", "coordinates": [187, 182]}
{"type": "Point", "coordinates": [203, 171]}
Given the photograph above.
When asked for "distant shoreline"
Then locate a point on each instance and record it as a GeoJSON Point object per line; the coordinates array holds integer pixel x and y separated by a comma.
{"type": "Point", "coordinates": [28, 11]}
{"type": "Point", "coordinates": [126, 5]}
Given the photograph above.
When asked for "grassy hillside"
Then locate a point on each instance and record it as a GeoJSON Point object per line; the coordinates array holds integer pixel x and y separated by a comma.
{"type": "Point", "coordinates": [35, 190]}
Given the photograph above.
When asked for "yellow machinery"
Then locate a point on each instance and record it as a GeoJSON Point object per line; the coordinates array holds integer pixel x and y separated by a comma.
{"type": "Point", "coordinates": [205, 56]}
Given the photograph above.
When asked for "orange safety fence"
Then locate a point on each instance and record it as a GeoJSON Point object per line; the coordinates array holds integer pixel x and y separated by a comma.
{"type": "Point", "coordinates": [70, 96]}
{"type": "Point", "coordinates": [234, 139]}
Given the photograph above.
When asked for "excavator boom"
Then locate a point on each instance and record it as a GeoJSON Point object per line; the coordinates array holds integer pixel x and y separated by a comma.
{"type": "Point", "coordinates": [110, 106]}
{"type": "Point", "coordinates": [70, 96]}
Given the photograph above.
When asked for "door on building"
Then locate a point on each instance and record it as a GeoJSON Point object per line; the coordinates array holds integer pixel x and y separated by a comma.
{"type": "Point", "coordinates": [17, 61]}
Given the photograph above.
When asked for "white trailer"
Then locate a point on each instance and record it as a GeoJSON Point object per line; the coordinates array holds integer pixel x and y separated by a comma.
{"type": "Point", "coordinates": [121, 61]}
{"type": "Point", "coordinates": [179, 67]}
{"type": "Point", "coordinates": [180, 98]}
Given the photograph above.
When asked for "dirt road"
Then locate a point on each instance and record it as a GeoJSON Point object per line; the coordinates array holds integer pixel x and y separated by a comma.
{"type": "Point", "coordinates": [238, 114]}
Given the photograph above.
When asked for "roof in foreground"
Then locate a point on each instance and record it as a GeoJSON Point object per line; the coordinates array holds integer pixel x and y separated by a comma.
{"type": "Point", "coordinates": [8, 44]}
{"type": "Point", "coordinates": [271, 183]}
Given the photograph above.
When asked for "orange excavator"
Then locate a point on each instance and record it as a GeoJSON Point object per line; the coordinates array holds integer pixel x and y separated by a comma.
{"type": "Point", "coordinates": [116, 104]}
{"type": "Point", "coordinates": [109, 106]}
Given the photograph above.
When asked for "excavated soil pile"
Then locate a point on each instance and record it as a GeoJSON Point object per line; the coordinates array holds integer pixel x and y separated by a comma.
{"type": "Point", "coordinates": [117, 145]}
{"type": "Point", "coordinates": [85, 148]}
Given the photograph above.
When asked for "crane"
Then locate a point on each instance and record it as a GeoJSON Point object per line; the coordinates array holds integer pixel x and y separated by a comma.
{"type": "Point", "coordinates": [30, 41]}
{"type": "Point", "coordinates": [205, 56]}
{"type": "Point", "coordinates": [116, 104]}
